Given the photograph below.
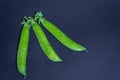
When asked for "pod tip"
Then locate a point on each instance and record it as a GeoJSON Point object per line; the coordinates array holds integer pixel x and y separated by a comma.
{"type": "Point", "coordinates": [86, 50]}
{"type": "Point", "coordinates": [57, 59]}
{"type": "Point", "coordinates": [24, 75]}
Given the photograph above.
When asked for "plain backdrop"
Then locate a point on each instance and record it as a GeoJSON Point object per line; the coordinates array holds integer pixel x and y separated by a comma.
{"type": "Point", "coordinates": [92, 23]}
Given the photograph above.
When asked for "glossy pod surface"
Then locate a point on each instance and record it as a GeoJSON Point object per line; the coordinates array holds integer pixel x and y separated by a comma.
{"type": "Point", "coordinates": [60, 36]}
{"type": "Point", "coordinates": [43, 42]}
{"type": "Point", "coordinates": [23, 48]}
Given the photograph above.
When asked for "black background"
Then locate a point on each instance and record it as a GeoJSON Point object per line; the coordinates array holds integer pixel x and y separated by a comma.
{"type": "Point", "coordinates": [93, 23]}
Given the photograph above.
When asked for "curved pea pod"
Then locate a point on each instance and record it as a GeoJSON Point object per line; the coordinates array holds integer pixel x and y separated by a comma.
{"type": "Point", "coordinates": [60, 36]}
{"type": "Point", "coordinates": [23, 48]}
{"type": "Point", "coordinates": [44, 43]}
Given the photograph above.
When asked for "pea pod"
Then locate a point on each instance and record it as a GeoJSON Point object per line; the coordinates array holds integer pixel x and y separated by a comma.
{"type": "Point", "coordinates": [43, 42]}
{"type": "Point", "coordinates": [23, 48]}
{"type": "Point", "coordinates": [60, 36]}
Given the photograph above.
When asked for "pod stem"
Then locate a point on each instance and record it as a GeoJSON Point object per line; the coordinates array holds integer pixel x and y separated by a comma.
{"type": "Point", "coordinates": [38, 15]}
{"type": "Point", "coordinates": [26, 21]}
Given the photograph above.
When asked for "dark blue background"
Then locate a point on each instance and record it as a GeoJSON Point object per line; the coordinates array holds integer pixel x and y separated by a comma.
{"type": "Point", "coordinates": [93, 23]}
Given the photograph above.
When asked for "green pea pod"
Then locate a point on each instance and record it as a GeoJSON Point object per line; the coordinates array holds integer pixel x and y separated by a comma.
{"type": "Point", "coordinates": [60, 36]}
{"type": "Point", "coordinates": [23, 48]}
{"type": "Point", "coordinates": [43, 42]}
